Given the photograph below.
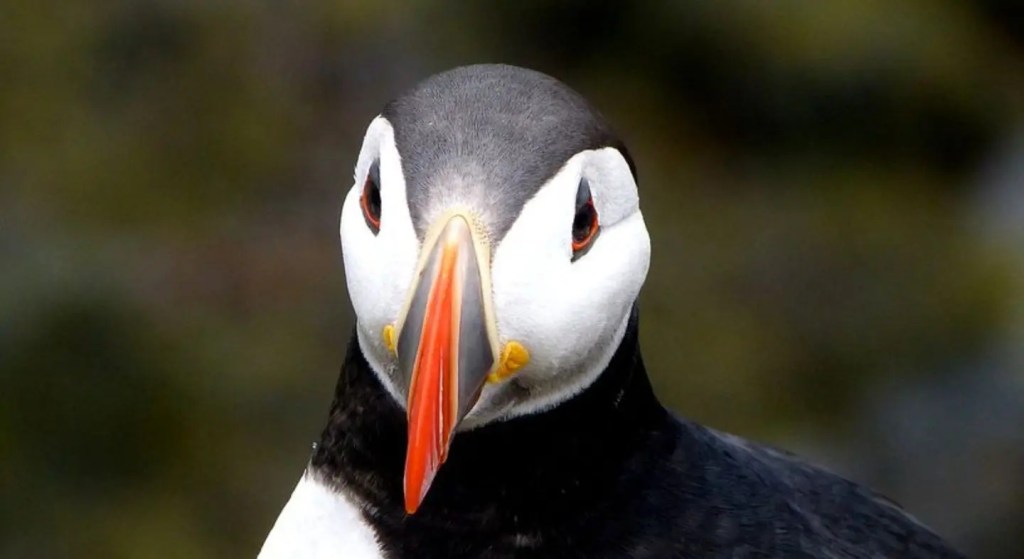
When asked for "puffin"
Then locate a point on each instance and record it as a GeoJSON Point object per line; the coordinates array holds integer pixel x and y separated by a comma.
{"type": "Point", "coordinates": [493, 402]}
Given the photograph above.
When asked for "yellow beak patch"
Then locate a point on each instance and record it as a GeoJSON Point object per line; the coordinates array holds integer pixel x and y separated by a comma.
{"type": "Point", "coordinates": [513, 357]}
{"type": "Point", "coordinates": [389, 338]}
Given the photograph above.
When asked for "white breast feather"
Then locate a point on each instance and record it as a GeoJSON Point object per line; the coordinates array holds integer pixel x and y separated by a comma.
{"type": "Point", "coordinates": [320, 523]}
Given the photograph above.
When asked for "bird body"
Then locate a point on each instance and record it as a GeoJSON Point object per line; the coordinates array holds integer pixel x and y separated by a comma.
{"type": "Point", "coordinates": [493, 402]}
{"type": "Point", "coordinates": [610, 473]}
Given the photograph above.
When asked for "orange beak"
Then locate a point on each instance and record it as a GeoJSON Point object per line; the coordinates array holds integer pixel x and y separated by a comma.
{"type": "Point", "coordinates": [446, 347]}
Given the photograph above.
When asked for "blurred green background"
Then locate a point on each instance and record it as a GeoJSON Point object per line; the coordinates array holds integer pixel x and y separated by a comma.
{"type": "Point", "coordinates": [835, 193]}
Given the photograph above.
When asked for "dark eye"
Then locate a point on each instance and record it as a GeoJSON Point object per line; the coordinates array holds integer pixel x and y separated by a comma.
{"type": "Point", "coordinates": [370, 199]}
{"type": "Point", "coordinates": [585, 225]}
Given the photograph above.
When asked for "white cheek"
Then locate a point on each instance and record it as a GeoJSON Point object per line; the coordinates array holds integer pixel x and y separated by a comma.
{"type": "Point", "coordinates": [564, 311]}
{"type": "Point", "coordinates": [363, 262]}
{"type": "Point", "coordinates": [378, 268]}
{"type": "Point", "coordinates": [569, 315]}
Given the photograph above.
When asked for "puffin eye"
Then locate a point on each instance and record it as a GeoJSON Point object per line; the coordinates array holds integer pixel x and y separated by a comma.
{"type": "Point", "coordinates": [370, 199]}
{"type": "Point", "coordinates": [585, 226]}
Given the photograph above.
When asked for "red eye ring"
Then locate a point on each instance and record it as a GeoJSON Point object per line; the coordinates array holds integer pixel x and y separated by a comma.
{"type": "Point", "coordinates": [580, 242]}
{"type": "Point", "coordinates": [369, 200]}
{"type": "Point", "coordinates": [585, 224]}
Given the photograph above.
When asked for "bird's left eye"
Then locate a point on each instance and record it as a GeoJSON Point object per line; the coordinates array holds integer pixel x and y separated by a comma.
{"type": "Point", "coordinates": [370, 198]}
{"type": "Point", "coordinates": [585, 226]}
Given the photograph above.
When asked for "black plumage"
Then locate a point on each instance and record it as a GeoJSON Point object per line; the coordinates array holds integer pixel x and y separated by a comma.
{"type": "Point", "coordinates": [608, 473]}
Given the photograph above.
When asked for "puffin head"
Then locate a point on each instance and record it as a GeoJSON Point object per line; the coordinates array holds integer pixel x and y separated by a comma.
{"type": "Point", "coordinates": [493, 248]}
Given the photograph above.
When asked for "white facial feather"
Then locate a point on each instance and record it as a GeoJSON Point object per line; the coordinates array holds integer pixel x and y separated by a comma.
{"type": "Point", "coordinates": [379, 268]}
{"type": "Point", "coordinates": [570, 315]}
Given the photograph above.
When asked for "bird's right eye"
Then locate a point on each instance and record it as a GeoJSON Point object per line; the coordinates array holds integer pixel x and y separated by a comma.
{"type": "Point", "coordinates": [370, 199]}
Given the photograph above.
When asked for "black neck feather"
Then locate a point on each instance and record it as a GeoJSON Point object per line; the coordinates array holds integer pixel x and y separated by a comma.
{"type": "Point", "coordinates": [524, 475]}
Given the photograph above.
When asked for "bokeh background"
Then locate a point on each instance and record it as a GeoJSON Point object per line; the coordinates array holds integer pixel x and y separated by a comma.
{"type": "Point", "coordinates": [835, 193]}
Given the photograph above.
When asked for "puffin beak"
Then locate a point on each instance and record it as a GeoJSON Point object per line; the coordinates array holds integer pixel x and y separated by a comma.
{"type": "Point", "coordinates": [446, 347]}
